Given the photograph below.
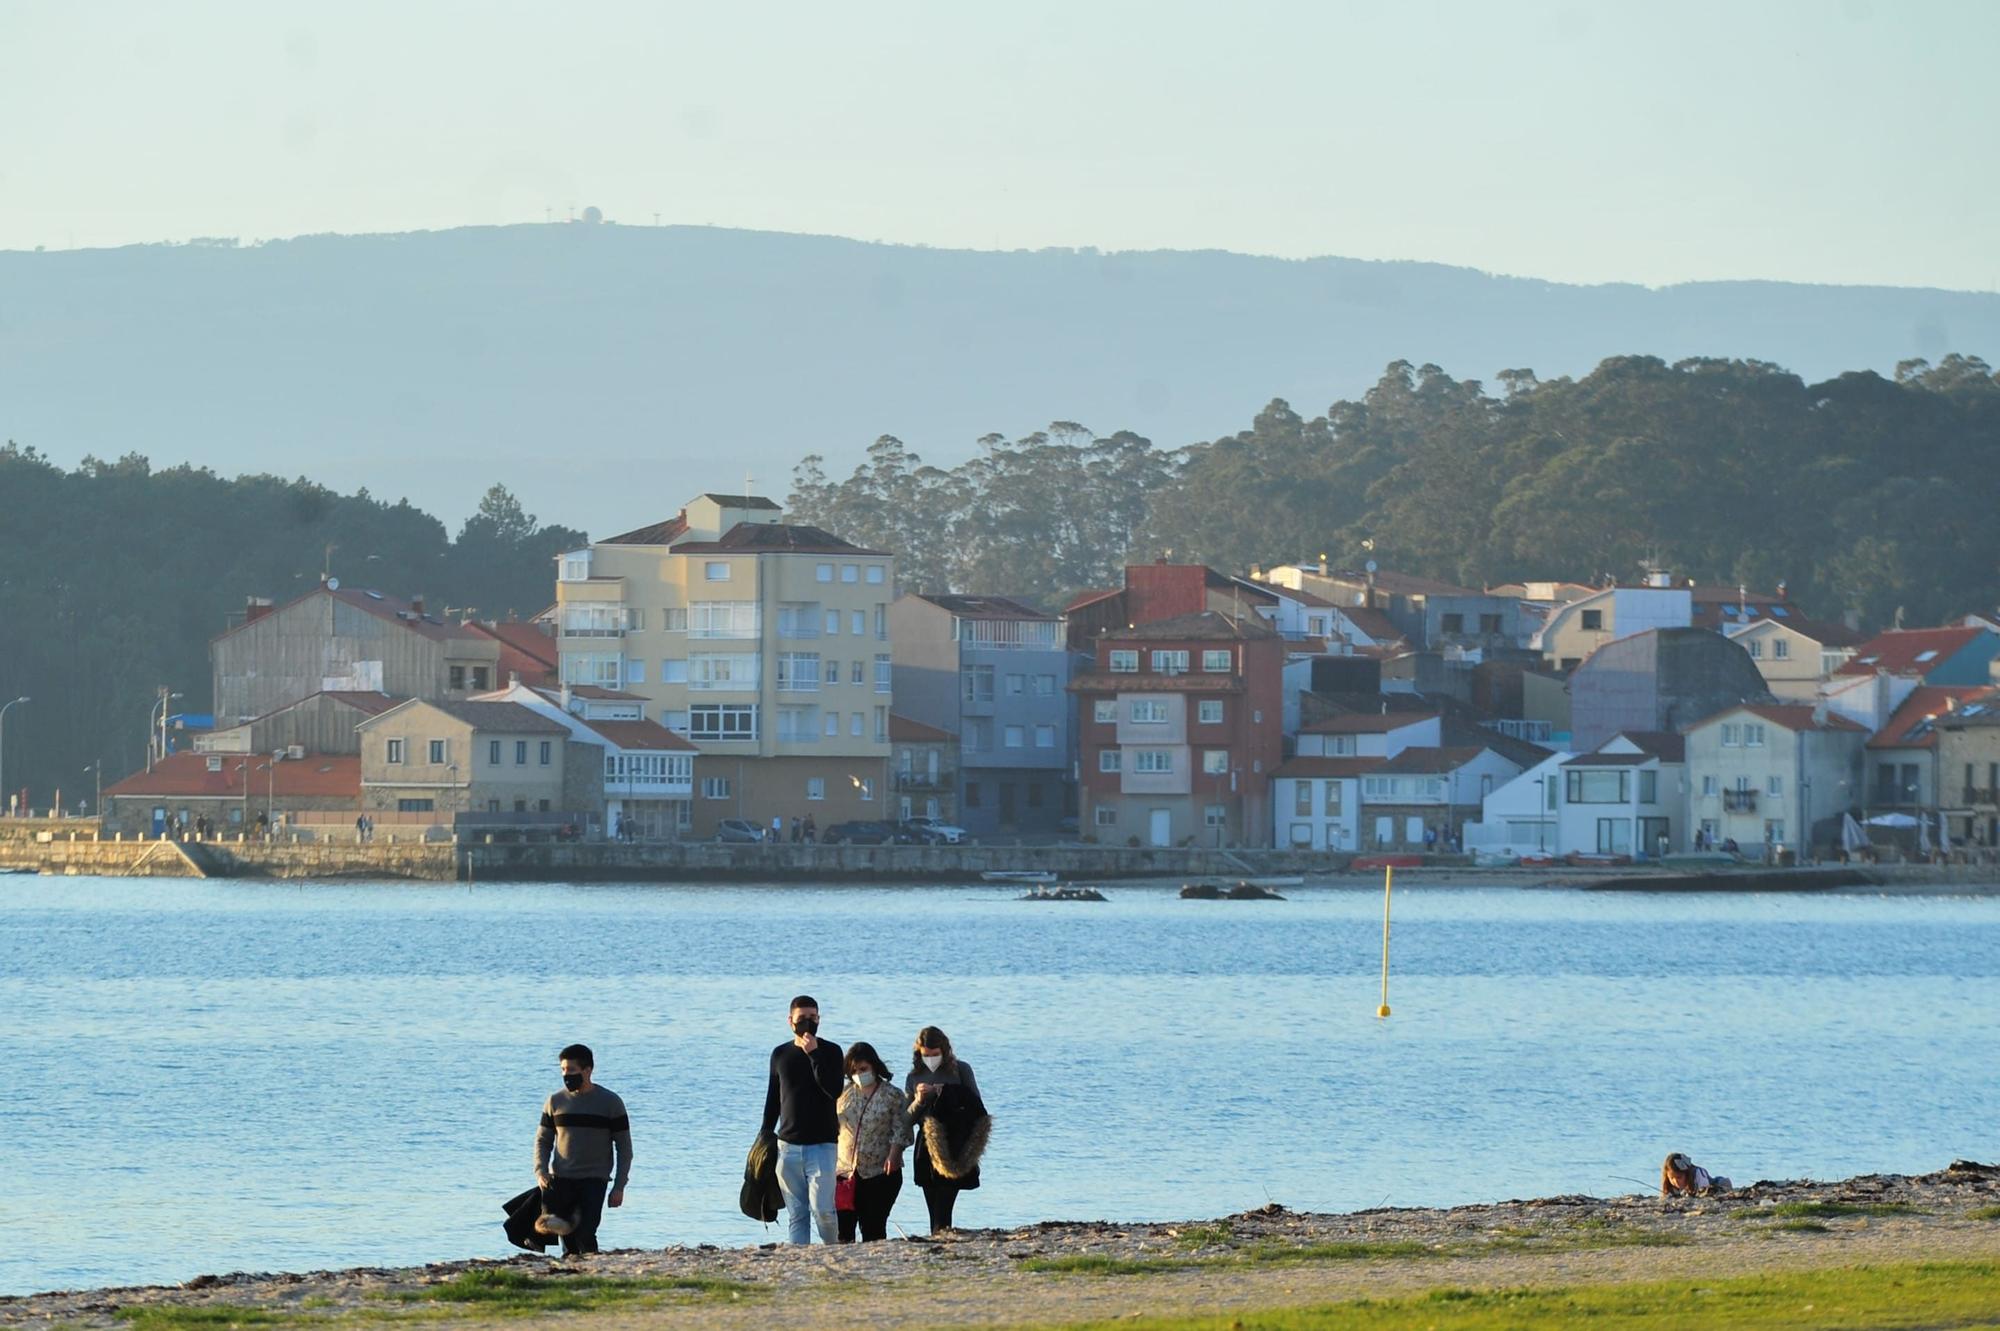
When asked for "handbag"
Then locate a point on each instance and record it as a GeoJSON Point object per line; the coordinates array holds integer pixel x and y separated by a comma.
{"type": "Point", "coordinates": [843, 1193]}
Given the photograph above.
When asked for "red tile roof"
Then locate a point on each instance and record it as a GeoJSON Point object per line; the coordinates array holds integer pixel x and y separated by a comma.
{"type": "Point", "coordinates": [1792, 716]}
{"type": "Point", "coordinates": [1897, 651]}
{"type": "Point", "coordinates": [775, 538]}
{"type": "Point", "coordinates": [635, 735]}
{"type": "Point", "coordinates": [1425, 760]}
{"type": "Point", "coordinates": [1910, 727]}
{"type": "Point", "coordinates": [1310, 765]}
{"type": "Point", "coordinates": [187, 776]}
{"type": "Point", "coordinates": [655, 533]}
{"type": "Point", "coordinates": [1374, 623]}
{"type": "Point", "coordinates": [984, 607]}
{"type": "Point", "coordinates": [1666, 745]}
{"type": "Point", "coordinates": [909, 730]}
{"type": "Point", "coordinates": [1368, 723]}
{"type": "Point", "coordinates": [524, 638]}
{"type": "Point", "coordinates": [1084, 598]}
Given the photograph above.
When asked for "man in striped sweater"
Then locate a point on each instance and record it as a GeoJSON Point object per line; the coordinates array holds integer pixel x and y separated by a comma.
{"type": "Point", "coordinates": [583, 1146]}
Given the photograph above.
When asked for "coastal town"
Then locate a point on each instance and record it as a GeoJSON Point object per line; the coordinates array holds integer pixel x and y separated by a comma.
{"type": "Point", "coordinates": [726, 674]}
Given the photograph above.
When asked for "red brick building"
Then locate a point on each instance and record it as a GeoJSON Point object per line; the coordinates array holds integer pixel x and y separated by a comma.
{"type": "Point", "coordinates": [1180, 725]}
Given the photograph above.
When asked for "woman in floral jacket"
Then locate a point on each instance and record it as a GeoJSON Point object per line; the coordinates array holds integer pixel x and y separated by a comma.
{"type": "Point", "coordinates": [874, 1128]}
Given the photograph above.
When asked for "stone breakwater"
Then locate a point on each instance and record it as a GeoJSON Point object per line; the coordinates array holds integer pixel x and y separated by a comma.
{"type": "Point", "coordinates": [1062, 1271]}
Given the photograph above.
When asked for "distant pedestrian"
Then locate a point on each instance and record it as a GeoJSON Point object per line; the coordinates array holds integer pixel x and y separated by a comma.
{"type": "Point", "coordinates": [583, 1146]}
{"type": "Point", "coordinates": [777, 829]}
{"type": "Point", "coordinates": [360, 828]}
{"type": "Point", "coordinates": [874, 1130]}
{"type": "Point", "coordinates": [811, 831]}
{"type": "Point", "coordinates": [1430, 838]}
{"type": "Point", "coordinates": [798, 832]}
{"type": "Point", "coordinates": [951, 1122]}
{"type": "Point", "coordinates": [800, 1107]}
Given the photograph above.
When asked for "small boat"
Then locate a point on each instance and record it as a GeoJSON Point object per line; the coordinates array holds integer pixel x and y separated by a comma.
{"type": "Point", "coordinates": [1063, 894]}
{"type": "Point", "coordinates": [1018, 876]}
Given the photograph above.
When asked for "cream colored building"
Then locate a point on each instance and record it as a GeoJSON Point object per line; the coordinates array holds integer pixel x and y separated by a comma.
{"type": "Point", "coordinates": [764, 642]}
{"type": "Point", "coordinates": [450, 758]}
{"type": "Point", "coordinates": [1795, 657]}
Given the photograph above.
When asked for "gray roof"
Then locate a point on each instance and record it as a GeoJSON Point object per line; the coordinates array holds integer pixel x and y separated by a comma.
{"type": "Point", "coordinates": [508, 717]}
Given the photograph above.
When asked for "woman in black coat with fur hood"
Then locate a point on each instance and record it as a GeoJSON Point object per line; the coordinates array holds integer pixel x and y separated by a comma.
{"type": "Point", "coordinates": [951, 1125]}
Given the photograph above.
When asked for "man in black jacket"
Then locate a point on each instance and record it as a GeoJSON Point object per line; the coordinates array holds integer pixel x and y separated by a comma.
{"type": "Point", "coordinates": [799, 1107]}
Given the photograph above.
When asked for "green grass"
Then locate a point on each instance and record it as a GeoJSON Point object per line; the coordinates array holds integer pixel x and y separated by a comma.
{"type": "Point", "coordinates": [1584, 1236]}
{"type": "Point", "coordinates": [1797, 1227]}
{"type": "Point", "coordinates": [1282, 1254]}
{"type": "Point", "coordinates": [1823, 1210]}
{"type": "Point", "coordinates": [199, 1316]}
{"type": "Point", "coordinates": [1888, 1298]}
{"type": "Point", "coordinates": [1206, 1236]}
{"type": "Point", "coordinates": [512, 1292]}
{"type": "Point", "coordinates": [1986, 1213]}
{"type": "Point", "coordinates": [1097, 1264]}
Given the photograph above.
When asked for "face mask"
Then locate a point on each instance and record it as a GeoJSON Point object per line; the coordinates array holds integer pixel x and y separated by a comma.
{"type": "Point", "coordinates": [864, 1079]}
{"type": "Point", "coordinates": [572, 1081]}
{"type": "Point", "coordinates": [806, 1026]}
{"type": "Point", "coordinates": [933, 1061]}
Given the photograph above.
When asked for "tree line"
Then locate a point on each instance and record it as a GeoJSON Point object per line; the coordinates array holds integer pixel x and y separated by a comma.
{"type": "Point", "coordinates": [1868, 496]}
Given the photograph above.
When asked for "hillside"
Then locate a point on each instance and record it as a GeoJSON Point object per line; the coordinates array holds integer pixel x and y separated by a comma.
{"type": "Point", "coordinates": [606, 372]}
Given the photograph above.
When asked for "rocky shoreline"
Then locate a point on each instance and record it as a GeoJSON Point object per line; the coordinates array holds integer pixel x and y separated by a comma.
{"type": "Point", "coordinates": [1064, 1271]}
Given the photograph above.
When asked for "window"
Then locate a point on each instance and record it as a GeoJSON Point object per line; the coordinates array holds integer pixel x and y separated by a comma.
{"type": "Point", "coordinates": [1215, 762]}
{"type": "Point", "coordinates": [1302, 798]}
{"type": "Point", "coordinates": [1753, 735]}
{"type": "Point", "coordinates": [1649, 786]}
{"type": "Point", "coordinates": [1489, 624]}
{"type": "Point", "coordinates": [1588, 786]}
{"type": "Point", "coordinates": [855, 724]}
{"type": "Point", "coordinates": [1614, 836]}
{"type": "Point", "coordinates": [1708, 786]}
{"type": "Point", "coordinates": [1034, 794]}
{"type": "Point", "coordinates": [674, 672]}
{"type": "Point", "coordinates": [832, 623]}
{"type": "Point", "coordinates": [1774, 830]}
{"type": "Point", "coordinates": [576, 567]}
{"type": "Point", "coordinates": [978, 735]}
{"type": "Point", "coordinates": [881, 725]}
{"type": "Point", "coordinates": [722, 721]}
{"type": "Point", "coordinates": [1452, 623]}
{"type": "Point", "coordinates": [413, 806]}
{"type": "Point", "coordinates": [1339, 746]}
{"type": "Point", "coordinates": [1731, 734]}
{"type": "Point", "coordinates": [457, 677]}
{"type": "Point", "coordinates": [1045, 737]}
{"type": "Point", "coordinates": [1208, 712]}
{"type": "Point", "coordinates": [520, 753]}
{"type": "Point", "coordinates": [724, 619]}
{"type": "Point", "coordinates": [1013, 737]}
{"type": "Point", "coordinates": [635, 671]}
{"type": "Point", "coordinates": [798, 725]}
{"type": "Point", "coordinates": [1148, 711]}
{"type": "Point", "coordinates": [976, 683]}
{"type": "Point", "coordinates": [674, 619]}
{"type": "Point", "coordinates": [437, 754]}
{"type": "Point", "coordinates": [823, 572]}
{"type": "Point", "coordinates": [815, 787]}
{"type": "Point", "coordinates": [1215, 815]}
{"type": "Point", "coordinates": [1105, 815]}
{"type": "Point", "coordinates": [675, 721]}
{"type": "Point", "coordinates": [850, 573]}
{"type": "Point", "coordinates": [875, 574]}
{"type": "Point", "coordinates": [798, 619]}
{"type": "Point", "coordinates": [972, 795]}
{"type": "Point", "coordinates": [1045, 686]}
{"type": "Point", "coordinates": [833, 723]}
{"type": "Point", "coordinates": [715, 787]}
{"type": "Point", "coordinates": [1593, 621]}
{"type": "Point", "coordinates": [1153, 760]}
{"type": "Point", "coordinates": [854, 669]}
{"type": "Point", "coordinates": [1756, 649]}
{"type": "Point", "coordinates": [1332, 799]}
{"type": "Point", "coordinates": [1781, 649]}
{"type": "Point", "coordinates": [857, 623]}
{"type": "Point", "coordinates": [1105, 711]}
{"type": "Point", "coordinates": [1107, 760]}
{"type": "Point", "coordinates": [395, 751]}
{"type": "Point", "coordinates": [635, 618]}
{"type": "Point", "coordinates": [547, 754]}
{"type": "Point", "coordinates": [885, 673]}
{"type": "Point", "coordinates": [798, 672]}
{"type": "Point", "coordinates": [716, 570]}
{"type": "Point", "coordinates": [1774, 786]}
{"type": "Point", "coordinates": [719, 671]}
{"type": "Point", "coordinates": [493, 752]}
{"type": "Point", "coordinates": [1124, 662]}
{"type": "Point", "coordinates": [1017, 685]}
{"type": "Point", "coordinates": [1215, 661]}
{"type": "Point", "coordinates": [1170, 663]}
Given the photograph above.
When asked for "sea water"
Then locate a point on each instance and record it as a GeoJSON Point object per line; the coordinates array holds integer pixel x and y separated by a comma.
{"type": "Point", "coordinates": [224, 1075]}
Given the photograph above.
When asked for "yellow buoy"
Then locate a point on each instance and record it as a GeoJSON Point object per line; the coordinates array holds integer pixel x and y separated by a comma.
{"type": "Point", "coordinates": [1388, 881]}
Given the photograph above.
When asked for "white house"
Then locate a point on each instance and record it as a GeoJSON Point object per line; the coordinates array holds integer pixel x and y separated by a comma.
{"type": "Point", "coordinates": [1425, 789]}
{"type": "Point", "coordinates": [648, 769]}
{"type": "Point", "coordinates": [1773, 775]}
{"type": "Point", "coordinates": [1316, 802]}
{"type": "Point", "coordinates": [1523, 816]}
{"type": "Point", "coordinates": [1626, 797]}
{"type": "Point", "coordinates": [1369, 734]}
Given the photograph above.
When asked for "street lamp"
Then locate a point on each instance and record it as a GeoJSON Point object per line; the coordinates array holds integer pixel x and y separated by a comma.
{"type": "Point", "coordinates": [3, 738]}
{"type": "Point", "coordinates": [1541, 808]}
{"type": "Point", "coordinates": [159, 705]}
{"type": "Point", "coordinates": [271, 794]}
{"type": "Point", "coordinates": [97, 769]}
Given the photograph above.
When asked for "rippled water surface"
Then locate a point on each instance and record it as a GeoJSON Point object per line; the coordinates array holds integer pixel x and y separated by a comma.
{"type": "Point", "coordinates": [220, 1076]}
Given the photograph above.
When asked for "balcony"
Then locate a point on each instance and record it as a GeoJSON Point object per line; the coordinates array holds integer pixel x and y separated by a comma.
{"type": "Point", "coordinates": [926, 782]}
{"type": "Point", "coordinates": [1982, 795]}
{"type": "Point", "coordinates": [591, 631]}
{"type": "Point", "coordinates": [1739, 801]}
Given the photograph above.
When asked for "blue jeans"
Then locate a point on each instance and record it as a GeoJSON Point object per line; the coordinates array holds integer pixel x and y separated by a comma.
{"type": "Point", "coordinates": [805, 1177]}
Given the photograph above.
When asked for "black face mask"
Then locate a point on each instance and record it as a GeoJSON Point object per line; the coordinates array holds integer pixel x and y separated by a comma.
{"type": "Point", "coordinates": [806, 1026]}
{"type": "Point", "coordinates": [572, 1081]}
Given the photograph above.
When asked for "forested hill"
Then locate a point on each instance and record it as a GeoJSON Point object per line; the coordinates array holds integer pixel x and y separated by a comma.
{"type": "Point", "coordinates": [608, 371]}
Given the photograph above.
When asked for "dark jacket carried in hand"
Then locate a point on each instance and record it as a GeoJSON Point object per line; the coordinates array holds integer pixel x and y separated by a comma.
{"type": "Point", "coordinates": [760, 1198]}
{"type": "Point", "coordinates": [953, 1128]}
{"type": "Point", "coordinates": [522, 1213]}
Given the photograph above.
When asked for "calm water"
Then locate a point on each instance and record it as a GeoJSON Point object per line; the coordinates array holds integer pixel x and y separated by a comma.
{"type": "Point", "coordinates": [219, 1076]}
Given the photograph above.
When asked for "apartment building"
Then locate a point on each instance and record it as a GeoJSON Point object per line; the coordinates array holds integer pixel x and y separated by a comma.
{"type": "Point", "coordinates": [1773, 775]}
{"type": "Point", "coordinates": [1180, 730]}
{"type": "Point", "coordinates": [994, 673]}
{"type": "Point", "coordinates": [765, 643]}
{"type": "Point", "coordinates": [458, 760]}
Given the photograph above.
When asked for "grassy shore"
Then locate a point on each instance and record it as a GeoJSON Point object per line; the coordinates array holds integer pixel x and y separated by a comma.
{"type": "Point", "coordinates": [1879, 1251]}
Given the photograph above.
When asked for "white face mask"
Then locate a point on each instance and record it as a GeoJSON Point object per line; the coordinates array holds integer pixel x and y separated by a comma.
{"type": "Point", "coordinates": [864, 1079]}
{"type": "Point", "coordinates": [933, 1061]}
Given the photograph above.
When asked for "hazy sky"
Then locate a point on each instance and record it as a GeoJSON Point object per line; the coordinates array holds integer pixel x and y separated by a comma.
{"type": "Point", "coordinates": [1648, 142]}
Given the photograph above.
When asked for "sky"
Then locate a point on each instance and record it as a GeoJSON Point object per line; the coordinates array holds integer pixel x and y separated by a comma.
{"type": "Point", "coordinates": [1841, 141]}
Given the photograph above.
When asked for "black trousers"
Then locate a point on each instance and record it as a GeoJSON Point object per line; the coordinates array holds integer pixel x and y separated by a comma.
{"type": "Point", "coordinates": [940, 1195]}
{"type": "Point", "coordinates": [582, 1198]}
{"type": "Point", "coordinates": [874, 1198]}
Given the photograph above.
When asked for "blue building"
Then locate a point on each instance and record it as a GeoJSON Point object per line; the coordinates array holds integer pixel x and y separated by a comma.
{"type": "Point", "coordinates": [993, 672]}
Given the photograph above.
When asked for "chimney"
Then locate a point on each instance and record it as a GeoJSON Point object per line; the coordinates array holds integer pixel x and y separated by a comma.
{"type": "Point", "coordinates": [417, 605]}
{"type": "Point", "coordinates": [566, 696]}
{"type": "Point", "coordinates": [255, 608]}
{"type": "Point", "coordinates": [1782, 586]}
{"type": "Point", "coordinates": [1819, 713]}
{"type": "Point", "coordinates": [513, 679]}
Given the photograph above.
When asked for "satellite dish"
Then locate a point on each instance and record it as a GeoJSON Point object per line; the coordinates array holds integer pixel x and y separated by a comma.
{"type": "Point", "coordinates": [333, 584]}
{"type": "Point", "coordinates": [1370, 566]}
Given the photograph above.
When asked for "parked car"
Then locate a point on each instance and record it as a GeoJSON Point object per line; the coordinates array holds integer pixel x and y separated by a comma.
{"type": "Point", "coordinates": [863, 832]}
{"type": "Point", "coordinates": [740, 831]}
{"type": "Point", "coordinates": [933, 830]}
